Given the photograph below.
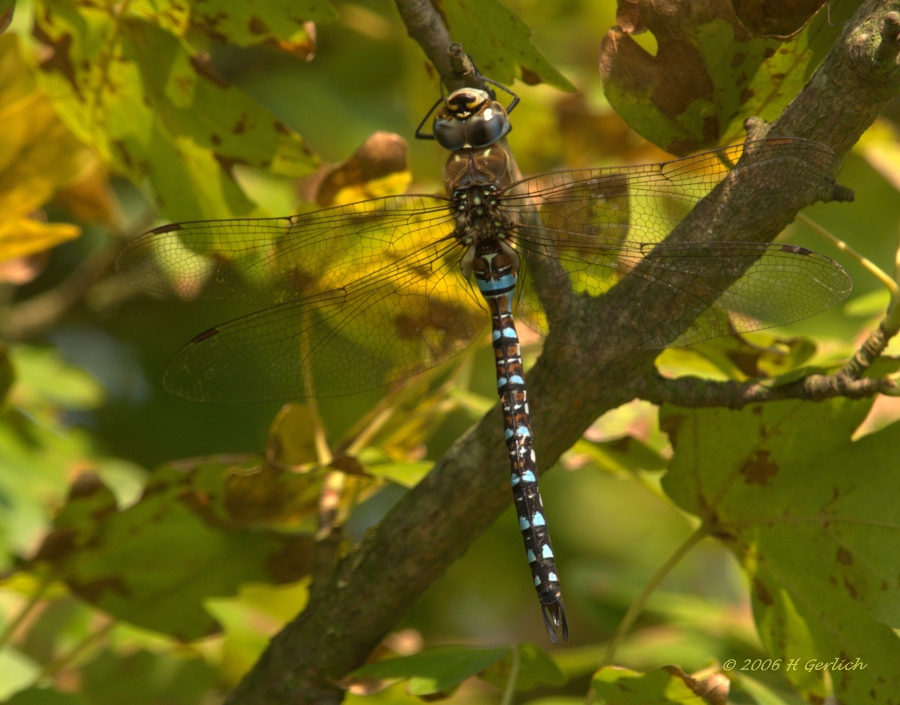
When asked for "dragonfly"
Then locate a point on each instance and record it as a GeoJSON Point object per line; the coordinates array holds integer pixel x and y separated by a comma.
{"type": "Point", "coordinates": [365, 294]}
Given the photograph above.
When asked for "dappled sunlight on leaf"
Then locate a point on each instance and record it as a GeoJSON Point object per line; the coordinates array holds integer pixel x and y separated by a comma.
{"type": "Point", "coordinates": [292, 437]}
{"type": "Point", "coordinates": [38, 158]}
{"type": "Point", "coordinates": [155, 111]}
{"type": "Point", "coordinates": [669, 684]}
{"type": "Point", "coordinates": [378, 168]}
{"type": "Point", "coordinates": [250, 619]}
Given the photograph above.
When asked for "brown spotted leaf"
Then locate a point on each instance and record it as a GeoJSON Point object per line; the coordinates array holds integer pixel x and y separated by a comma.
{"type": "Point", "coordinates": [776, 18]}
{"type": "Point", "coordinates": [710, 72]}
{"type": "Point", "coordinates": [814, 517]}
{"type": "Point", "coordinates": [157, 112]}
{"type": "Point", "coordinates": [285, 25]}
{"type": "Point", "coordinates": [191, 536]}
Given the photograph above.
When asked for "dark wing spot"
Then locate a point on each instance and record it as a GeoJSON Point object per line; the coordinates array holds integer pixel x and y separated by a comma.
{"type": "Point", "coordinates": [794, 249]}
{"type": "Point", "coordinates": [205, 334]}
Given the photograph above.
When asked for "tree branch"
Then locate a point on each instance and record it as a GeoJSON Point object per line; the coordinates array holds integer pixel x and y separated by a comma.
{"type": "Point", "coordinates": [846, 382]}
{"type": "Point", "coordinates": [433, 524]}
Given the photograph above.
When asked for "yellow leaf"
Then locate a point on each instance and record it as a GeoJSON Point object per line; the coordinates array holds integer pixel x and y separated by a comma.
{"type": "Point", "coordinates": [25, 236]}
{"type": "Point", "coordinates": [38, 158]}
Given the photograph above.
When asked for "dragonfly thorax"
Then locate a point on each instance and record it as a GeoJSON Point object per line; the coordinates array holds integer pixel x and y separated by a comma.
{"type": "Point", "coordinates": [478, 214]}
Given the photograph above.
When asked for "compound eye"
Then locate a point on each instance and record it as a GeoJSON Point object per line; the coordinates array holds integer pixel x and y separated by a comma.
{"type": "Point", "coordinates": [487, 126]}
{"type": "Point", "coordinates": [450, 132]}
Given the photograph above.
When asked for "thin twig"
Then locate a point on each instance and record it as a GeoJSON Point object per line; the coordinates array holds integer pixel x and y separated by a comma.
{"type": "Point", "coordinates": [35, 598]}
{"type": "Point", "coordinates": [637, 606]}
{"type": "Point", "coordinates": [68, 658]}
{"type": "Point", "coordinates": [31, 317]}
{"type": "Point", "coordinates": [509, 691]}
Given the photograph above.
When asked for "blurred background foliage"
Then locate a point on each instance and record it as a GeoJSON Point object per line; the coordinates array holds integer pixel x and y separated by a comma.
{"type": "Point", "coordinates": [151, 545]}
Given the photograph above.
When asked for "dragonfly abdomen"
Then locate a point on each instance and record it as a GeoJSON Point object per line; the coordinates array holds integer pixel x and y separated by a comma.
{"type": "Point", "coordinates": [495, 275]}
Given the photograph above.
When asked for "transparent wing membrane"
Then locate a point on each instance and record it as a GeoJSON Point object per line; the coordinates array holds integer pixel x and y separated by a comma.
{"type": "Point", "coordinates": [598, 225]}
{"type": "Point", "coordinates": [370, 293]}
{"type": "Point", "coordinates": [365, 295]}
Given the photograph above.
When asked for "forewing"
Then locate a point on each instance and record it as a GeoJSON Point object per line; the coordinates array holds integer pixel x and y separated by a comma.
{"type": "Point", "coordinates": [275, 260]}
{"type": "Point", "coordinates": [587, 229]}
{"type": "Point", "coordinates": [364, 295]}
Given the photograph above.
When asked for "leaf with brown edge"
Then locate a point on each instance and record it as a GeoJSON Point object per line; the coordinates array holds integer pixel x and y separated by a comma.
{"type": "Point", "coordinates": [784, 18]}
{"type": "Point", "coordinates": [291, 439]}
{"type": "Point", "coordinates": [285, 25]}
{"type": "Point", "coordinates": [814, 518]}
{"type": "Point", "coordinates": [7, 9]}
{"type": "Point", "coordinates": [709, 73]}
{"type": "Point", "coordinates": [154, 563]}
{"type": "Point", "coordinates": [379, 167]}
{"type": "Point", "coordinates": [668, 685]}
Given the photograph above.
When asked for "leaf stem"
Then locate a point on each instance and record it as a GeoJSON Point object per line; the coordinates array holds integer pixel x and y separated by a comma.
{"type": "Point", "coordinates": [57, 665]}
{"type": "Point", "coordinates": [638, 605]}
{"type": "Point", "coordinates": [510, 689]}
{"type": "Point", "coordinates": [25, 611]}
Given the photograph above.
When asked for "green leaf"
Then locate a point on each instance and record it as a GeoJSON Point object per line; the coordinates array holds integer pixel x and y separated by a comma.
{"type": "Point", "coordinates": [535, 668]}
{"type": "Point", "coordinates": [760, 693]}
{"type": "Point", "coordinates": [39, 449]}
{"type": "Point", "coordinates": [499, 42]}
{"type": "Point", "coordinates": [158, 113]}
{"type": "Point", "coordinates": [709, 74]}
{"type": "Point", "coordinates": [435, 670]}
{"type": "Point", "coordinates": [621, 455]}
{"type": "Point", "coordinates": [406, 473]}
{"type": "Point", "coordinates": [46, 378]}
{"type": "Point", "coordinates": [155, 562]}
{"type": "Point", "coordinates": [143, 678]}
{"type": "Point", "coordinates": [814, 519]}
{"type": "Point", "coordinates": [44, 696]}
{"type": "Point", "coordinates": [280, 24]}
{"type": "Point", "coordinates": [874, 303]}
{"type": "Point", "coordinates": [669, 684]}
{"type": "Point", "coordinates": [16, 671]}
{"type": "Point", "coordinates": [292, 436]}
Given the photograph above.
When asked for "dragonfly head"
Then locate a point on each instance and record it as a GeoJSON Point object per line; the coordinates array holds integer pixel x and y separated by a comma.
{"type": "Point", "coordinates": [470, 119]}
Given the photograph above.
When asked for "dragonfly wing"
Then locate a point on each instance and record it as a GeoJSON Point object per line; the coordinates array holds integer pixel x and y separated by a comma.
{"type": "Point", "coordinates": [589, 228]}
{"type": "Point", "coordinates": [377, 329]}
{"type": "Point", "coordinates": [275, 260]}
